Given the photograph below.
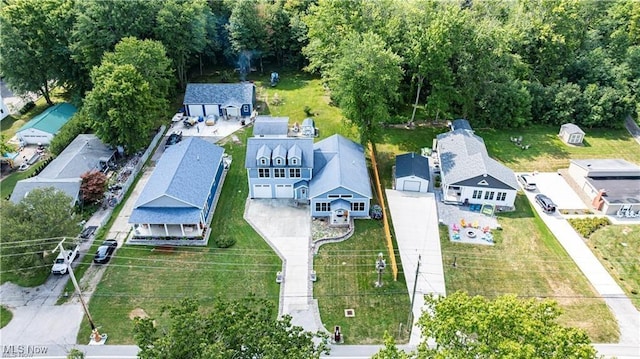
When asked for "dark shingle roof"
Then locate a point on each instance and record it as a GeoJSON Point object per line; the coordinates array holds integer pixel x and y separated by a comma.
{"type": "Point", "coordinates": [463, 155]}
{"type": "Point", "coordinates": [412, 164]}
{"type": "Point", "coordinates": [222, 94]}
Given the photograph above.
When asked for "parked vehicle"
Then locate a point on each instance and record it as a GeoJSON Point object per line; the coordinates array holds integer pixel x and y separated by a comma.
{"type": "Point", "coordinates": [104, 252]}
{"type": "Point", "coordinates": [546, 203]}
{"type": "Point", "coordinates": [88, 231]}
{"type": "Point", "coordinates": [527, 182]}
{"type": "Point", "coordinates": [173, 138]}
{"type": "Point", "coordinates": [64, 257]}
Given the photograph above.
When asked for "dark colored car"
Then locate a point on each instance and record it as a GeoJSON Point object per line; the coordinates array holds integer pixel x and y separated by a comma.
{"type": "Point", "coordinates": [546, 203]}
{"type": "Point", "coordinates": [88, 232]}
{"type": "Point", "coordinates": [174, 138]}
{"type": "Point", "coordinates": [104, 252]}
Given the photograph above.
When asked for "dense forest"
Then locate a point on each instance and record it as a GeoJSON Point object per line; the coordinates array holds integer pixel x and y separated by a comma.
{"type": "Point", "coordinates": [499, 63]}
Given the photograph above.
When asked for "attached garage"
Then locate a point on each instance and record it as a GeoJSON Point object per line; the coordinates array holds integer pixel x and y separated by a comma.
{"type": "Point", "coordinates": [411, 173]}
{"type": "Point", "coordinates": [284, 191]}
{"type": "Point", "coordinates": [211, 110]}
{"type": "Point", "coordinates": [195, 110]}
{"type": "Point", "coordinates": [261, 191]}
{"type": "Point", "coordinates": [233, 111]}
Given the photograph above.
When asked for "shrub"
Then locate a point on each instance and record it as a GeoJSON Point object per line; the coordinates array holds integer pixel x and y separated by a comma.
{"type": "Point", "coordinates": [586, 226]}
{"type": "Point", "coordinates": [224, 241]}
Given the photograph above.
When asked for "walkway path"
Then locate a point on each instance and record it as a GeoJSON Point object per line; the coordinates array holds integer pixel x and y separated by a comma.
{"type": "Point", "coordinates": [290, 237]}
{"type": "Point", "coordinates": [415, 222]}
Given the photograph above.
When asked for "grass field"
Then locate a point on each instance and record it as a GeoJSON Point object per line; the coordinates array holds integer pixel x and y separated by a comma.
{"type": "Point", "coordinates": [528, 261]}
{"type": "Point", "coordinates": [618, 248]}
{"type": "Point", "coordinates": [346, 278]}
{"type": "Point", "coordinates": [5, 316]}
{"type": "Point", "coordinates": [140, 277]}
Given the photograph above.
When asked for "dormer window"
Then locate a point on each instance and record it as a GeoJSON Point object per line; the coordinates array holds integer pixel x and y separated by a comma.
{"type": "Point", "coordinates": [264, 161]}
{"type": "Point", "coordinates": [293, 161]}
{"type": "Point", "coordinates": [279, 161]}
{"type": "Point", "coordinates": [294, 156]}
{"type": "Point", "coordinates": [263, 156]}
{"type": "Point", "coordinates": [279, 155]}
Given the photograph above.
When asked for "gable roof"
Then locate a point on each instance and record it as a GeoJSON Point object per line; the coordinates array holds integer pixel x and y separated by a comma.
{"type": "Point", "coordinates": [571, 128]}
{"type": "Point", "coordinates": [255, 146]}
{"type": "Point", "coordinates": [339, 162]}
{"type": "Point", "coordinates": [51, 119]}
{"type": "Point", "coordinates": [463, 155]}
{"type": "Point", "coordinates": [70, 187]}
{"type": "Point", "coordinates": [82, 155]}
{"type": "Point", "coordinates": [185, 172]}
{"type": "Point", "coordinates": [222, 94]}
{"type": "Point", "coordinates": [412, 164]}
{"type": "Point", "coordinates": [270, 126]}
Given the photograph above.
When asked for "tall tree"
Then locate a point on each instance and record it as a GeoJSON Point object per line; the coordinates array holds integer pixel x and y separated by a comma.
{"type": "Point", "coordinates": [247, 33]}
{"type": "Point", "coordinates": [506, 327]}
{"type": "Point", "coordinates": [364, 82]}
{"type": "Point", "coordinates": [33, 44]}
{"type": "Point", "coordinates": [119, 105]}
{"type": "Point", "coordinates": [28, 226]}
{"type": "Point", "coordinates": [182, 28]}
{"type": "Point", "coordinates": [238, 329]}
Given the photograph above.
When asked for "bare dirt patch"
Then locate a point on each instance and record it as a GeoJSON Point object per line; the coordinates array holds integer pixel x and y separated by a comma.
{"type": "Point", "coordinates": [138, 313]}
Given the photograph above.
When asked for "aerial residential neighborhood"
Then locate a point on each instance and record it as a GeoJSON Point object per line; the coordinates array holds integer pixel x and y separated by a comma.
{"type": "Point", "coordinates": [319, 179]}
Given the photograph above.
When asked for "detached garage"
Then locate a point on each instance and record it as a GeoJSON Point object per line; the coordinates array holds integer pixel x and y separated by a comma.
{"type": "Point", "coordinates": [224, 100]}
{"type": "Point", "coordinates": [42, 128]}
{"type": "Point", "coordinates": [411, 173]}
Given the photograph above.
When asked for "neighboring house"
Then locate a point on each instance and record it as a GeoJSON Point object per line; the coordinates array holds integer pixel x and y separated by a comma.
{"type": "Point", "coordinates": [411, 173]}
{"type": "Point", "coordinates": [85, 153]}
{"type": "Point", "coordinates": [42, 128]}
{"type": "Point", "coordinates": [571, 134]}
{"type": "Point", "coordinates": [331, 175]}
{"type": "Point", "coordinates": [340, 188]}
{"type": "Point", "coordinates": [613, 185]}
{"type": "Point", "coordinates": [179, 199]}
{"type": "Point", "coordinates": [278, 166]}
{"type": "Point", "coordinates": [469, 175]}
{"type": "Point", "coordinates": [225, 100]}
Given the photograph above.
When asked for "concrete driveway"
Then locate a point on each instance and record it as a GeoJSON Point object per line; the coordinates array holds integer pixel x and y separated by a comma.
{"type": "Point", "coordinates": [556, 187]}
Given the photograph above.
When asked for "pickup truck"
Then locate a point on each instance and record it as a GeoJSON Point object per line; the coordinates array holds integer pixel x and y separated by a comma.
{"type": "Point", "coordinates": [60, 265]}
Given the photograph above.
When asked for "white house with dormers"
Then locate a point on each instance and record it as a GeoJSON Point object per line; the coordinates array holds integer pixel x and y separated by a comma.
{"type": "Point", "coordinates": [468, 174]}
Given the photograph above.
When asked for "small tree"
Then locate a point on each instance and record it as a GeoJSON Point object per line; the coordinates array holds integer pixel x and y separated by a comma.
{"type": "Point", "coordinates": [93, 186]}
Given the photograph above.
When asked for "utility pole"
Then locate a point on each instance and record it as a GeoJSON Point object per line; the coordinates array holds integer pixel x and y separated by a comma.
{"type": "Point", "coordinates": [96, 337]}
{"type": "Point", "coordinates": [413, 296]}
{"type": "Point", "coordinates": [380, 264]}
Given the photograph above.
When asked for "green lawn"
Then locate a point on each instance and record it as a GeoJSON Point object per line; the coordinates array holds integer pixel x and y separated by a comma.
{"type": "Point", "coordinates": [528, 261]}
{"type": "Point", "coordinates": [346, 278]}
{"type": "Point", "coordinates": [618, 248]}
{"type": "Point", "coordinates": [140, 277]}
{"type": "Point", "coordinates": [5, 316]}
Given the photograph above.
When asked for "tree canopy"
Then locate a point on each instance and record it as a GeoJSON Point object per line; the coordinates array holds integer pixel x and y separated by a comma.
{"type": "Point", "coordinates": [245, 328]}
{"type": "Point", "coordinates": [28, 226]}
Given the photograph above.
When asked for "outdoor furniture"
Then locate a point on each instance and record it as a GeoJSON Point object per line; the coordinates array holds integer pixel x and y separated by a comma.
{"type": "Point", "coordinates": [455, 228]}
{"type": "Point", "coordinates": [475, 224]}
{"type": "Point", "coordinates": [463, 224]}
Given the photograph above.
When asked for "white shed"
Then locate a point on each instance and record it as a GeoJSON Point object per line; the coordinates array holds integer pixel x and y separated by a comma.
{"type": "Point", "coordinates": [571, 134]}
{"type": "Point", "coordinates": [412, 173]}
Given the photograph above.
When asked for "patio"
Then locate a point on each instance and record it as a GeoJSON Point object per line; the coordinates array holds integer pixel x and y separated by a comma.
{"type": "Point", "coordinates": [466, 225]}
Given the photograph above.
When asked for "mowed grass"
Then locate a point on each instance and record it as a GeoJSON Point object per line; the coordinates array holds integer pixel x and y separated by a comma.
{"type": "Point", "coordinates": [548, 153]}
{"type": "Point", "coordinates": [618, 248]}
{"type": "Point", "coordinates": [528, 261]}
{"type": "Point", "coordinates": [5, 316]}
{"type": "Point", "coordinates": [346, 280]}
{"type": "Point", "coordinates": [146, 278]}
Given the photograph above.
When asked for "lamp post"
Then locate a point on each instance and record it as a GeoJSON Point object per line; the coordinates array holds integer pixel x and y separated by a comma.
{"type": "Point", "coordinates": [380, 264]}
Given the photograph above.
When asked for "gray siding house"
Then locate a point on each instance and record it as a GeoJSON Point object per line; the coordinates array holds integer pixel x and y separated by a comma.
{"type": "Point", "coordinates": [340, 188]}
{"type": "Point", "coordinates": [469, 175]}
{"type": "Point", "coordinates": [225, 100]}
{"type": "Point", "coordinates": [278, 166]}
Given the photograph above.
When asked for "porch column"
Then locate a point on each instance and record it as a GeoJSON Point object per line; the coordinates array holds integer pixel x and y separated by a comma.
{"type": "Point", "coordinates": [182, 229]}
{"type": "Point", "coordinates": [166, 230]}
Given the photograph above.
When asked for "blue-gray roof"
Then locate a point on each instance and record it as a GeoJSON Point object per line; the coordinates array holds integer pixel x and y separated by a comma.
{"type": "Point", "coordinates": [339, 162]}
{"type": "Point", "coordinates": [308, 122]}
{"type": "Point", "coordinates": [254, 145]}
{"type": "Point", "coordinates": [219, 94]}
{"type": "Point", "coordinates": [412, 164]}
{"type": "Point", "coordinates": [270, 126]}
{"type": "Point", "coordinates": [82, 155]}
{"type": "Point", "coordinates": [461, 124]}
{"type": "Point", "coordinates": [70, 187]}
{"type": "Point", "coordinates": [184, 174]}
{"type": "Point", "coordinates": [463, 155]}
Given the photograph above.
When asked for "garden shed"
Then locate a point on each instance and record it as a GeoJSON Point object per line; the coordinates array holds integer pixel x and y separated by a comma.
{"type": "Point", "coordinates": [411, 173]}
{"type": "Point", "coordinates": [571, 134]}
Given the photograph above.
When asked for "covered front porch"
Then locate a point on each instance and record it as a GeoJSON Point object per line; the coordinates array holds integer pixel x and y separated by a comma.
{"type": "Point", "coordinates": [340, 213]}
{"type": "Point", "coordinates": [169, 230]}
{"type": "Point", "coordinates": [451, 194]}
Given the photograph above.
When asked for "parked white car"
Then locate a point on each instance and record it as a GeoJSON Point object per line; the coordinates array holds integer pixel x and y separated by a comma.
{"type": "Point", "coordinates": [527, 182]}
{"type": "Point", "coordinates": [60, 265]}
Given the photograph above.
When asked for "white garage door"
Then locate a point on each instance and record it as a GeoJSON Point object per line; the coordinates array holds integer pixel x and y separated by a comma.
{"type": "Point", "coordinates": [261, 191]}
{"type": "Point", "coordinates": [413, 186]}
{"type": "Point", "coordinates": [233, 111]}
{"type": "Point", "coordinates": [35, 139]}
{"type": "Point", "coordinates": [195, 110]}
{"type": "Point", "coordinates": [211, 110]}
{"type": "Point", "coordinates": [284, 191]}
